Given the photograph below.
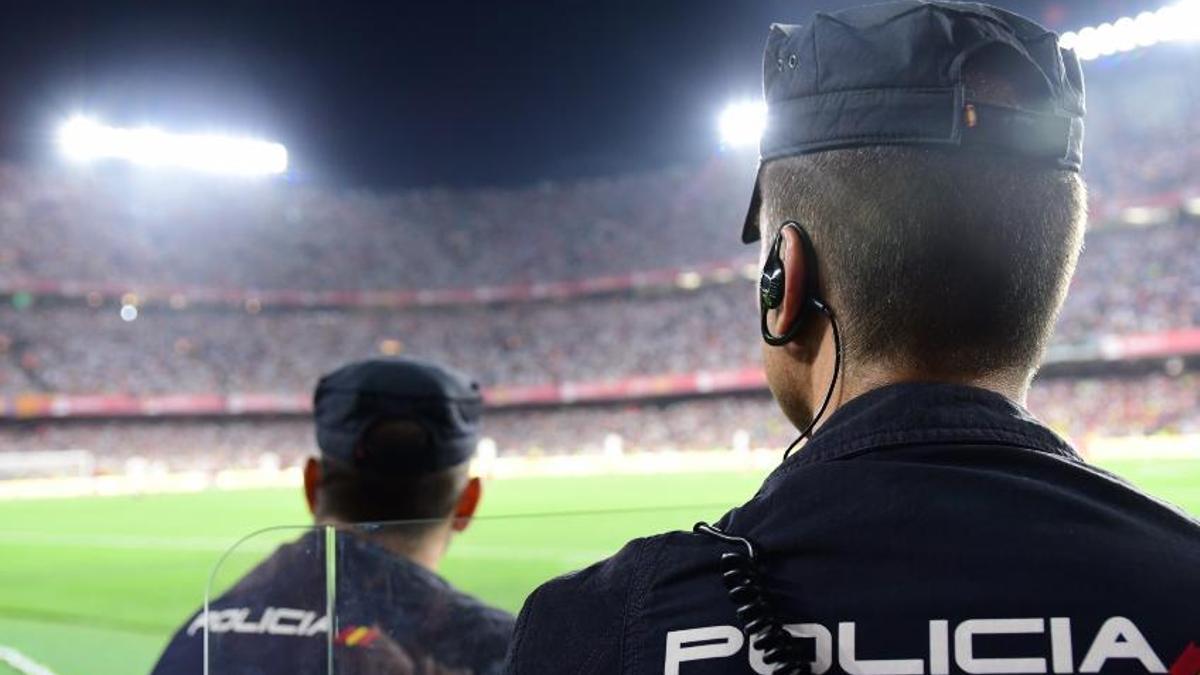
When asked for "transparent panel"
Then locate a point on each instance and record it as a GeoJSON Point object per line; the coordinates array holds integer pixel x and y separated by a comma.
{"type": "Point", "coordinates": [414, 597]}
{"type": "Point", "coordinates": [267, 605]}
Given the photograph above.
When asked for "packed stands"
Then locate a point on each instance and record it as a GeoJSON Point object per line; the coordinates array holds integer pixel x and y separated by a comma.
{"type": "Point", "coordinates": [98, 228]}
{"type": "Point", "coordinates": [1144, 406]}
{"type": "Point", "coordinates": [122, 283]}
{"type": "Point", "coordinates": [1134, 281]}
{"type": "Point", "coordinates": [1143, 134]}
{"type": "Point", "coordinates": [1128, 282]}
{"type": "Point", "coordinates": [1079, 408]}
{"type": "Point", "coordinates": [107, 226]}
{"type": "Point", "coordinates": [82, 350]}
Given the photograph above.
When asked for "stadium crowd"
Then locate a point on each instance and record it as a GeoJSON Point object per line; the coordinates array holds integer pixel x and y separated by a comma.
{"type": "Point", "coordinates": [68, 349]}
{"type": "Point", "coordinates": [80, 227]}
{"type": "Point", "coordinates": [1142, 127]}
{"type": "Point", "coordinates": [1128, 281]}
{"type": "Point", "coordinates": [130, 228]}
{"type": "Point", "coordinates": [1133, 281]}
{"type": "Point", "coordinates": [1119, 407]}
{"type": "Point", "coordinates": [1077, 408]}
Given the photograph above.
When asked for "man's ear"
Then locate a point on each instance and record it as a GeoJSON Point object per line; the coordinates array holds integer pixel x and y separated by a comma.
{"type": "Point", "coordinates": [791, 254]}
{"type": "Point", "coordinates": [312, 481]}
{"type": "Point", "coordinates": [468, 501]}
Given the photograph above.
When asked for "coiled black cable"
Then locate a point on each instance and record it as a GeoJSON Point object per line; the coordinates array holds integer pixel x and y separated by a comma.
{"type": "Point", "coordinates": [763, 628]}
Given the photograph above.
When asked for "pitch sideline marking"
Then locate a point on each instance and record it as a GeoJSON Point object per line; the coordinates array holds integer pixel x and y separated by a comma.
{"type": "Point", "coordinates": [21, 663]}
{"type": "Point", "coordinates": [218, 544]}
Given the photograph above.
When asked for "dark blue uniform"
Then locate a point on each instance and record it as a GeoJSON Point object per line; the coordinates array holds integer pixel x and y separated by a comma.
{"type": "Point", "coordinates": [392, 616]}
{"type": "Point", "coordinates": [925, 529]}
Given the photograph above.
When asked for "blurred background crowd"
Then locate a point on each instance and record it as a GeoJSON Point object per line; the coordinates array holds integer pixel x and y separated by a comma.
{"type": "Point", "coordinates": [1127, 282]}
{"type": "Point", "coordinates": [1081, 408]}
{"type": "Point", "coordinates": [89, 233]}
{"type": "Point", "coordinates": [1143, 148]}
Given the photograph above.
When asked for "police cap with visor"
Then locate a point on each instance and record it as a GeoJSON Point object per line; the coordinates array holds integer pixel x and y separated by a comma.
{"type": "Point", "coordinates": [893, 74]}
{"type": "Point", "coordinates": [443, 402]}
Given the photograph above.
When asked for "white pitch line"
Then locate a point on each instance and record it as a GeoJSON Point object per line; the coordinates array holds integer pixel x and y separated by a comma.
{"type": "Point", "coordinates": [526, 553]}
{"type": "Point", "coordinates": [21, 663]}
{"type": "Point", "coordinates": [464, 549]}
{"type": "Point", "coordinates": [132, 542]}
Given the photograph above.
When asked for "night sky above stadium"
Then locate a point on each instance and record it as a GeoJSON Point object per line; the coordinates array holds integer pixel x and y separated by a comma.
{"type": "Point", "coordinates": [412, 93]}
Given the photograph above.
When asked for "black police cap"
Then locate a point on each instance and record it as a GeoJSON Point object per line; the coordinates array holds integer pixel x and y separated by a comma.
{"type": "Point", "coordinates": [892, 74]}
{"type": "Point", "coordinates": [444, 403]}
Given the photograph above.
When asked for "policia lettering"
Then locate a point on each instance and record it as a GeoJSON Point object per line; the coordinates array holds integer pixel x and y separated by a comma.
{"type": "Point", "coordinates": [1117, 638]}
{"type": "Point", "coordinates": [273, 621]}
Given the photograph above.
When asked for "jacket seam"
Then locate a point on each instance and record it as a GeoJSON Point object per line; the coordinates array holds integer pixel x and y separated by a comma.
{"type": "Point", "coordinates": [520, 628]}
{"type": "Point", "coordinates": [999, 443]}
{"type": "Point", "coordinates": [636, 596]}
{"type": "Point", "coordinates": [983, 435]}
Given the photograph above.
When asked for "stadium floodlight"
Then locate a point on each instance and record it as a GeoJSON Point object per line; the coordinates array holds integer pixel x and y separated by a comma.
{"type": "Point", "coordinates": [84, 140]}
{"type": "Point", "coordinates": [742, 124]}
{"type": "Point", "coordinates": [1179, 22]}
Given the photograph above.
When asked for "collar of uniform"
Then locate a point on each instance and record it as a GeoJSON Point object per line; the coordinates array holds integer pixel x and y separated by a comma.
{"type": "Point", "coordinates": [912, 413]}
{"type": "Point", "coordinates": [353, 542]}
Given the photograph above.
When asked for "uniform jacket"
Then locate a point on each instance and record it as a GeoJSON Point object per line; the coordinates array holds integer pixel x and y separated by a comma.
{"type": "Point", "coordinates": [925, 529]}
{"type": "Point", "coordinates": [391, 616]}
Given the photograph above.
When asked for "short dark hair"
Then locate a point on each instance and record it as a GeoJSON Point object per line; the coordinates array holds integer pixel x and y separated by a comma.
{"type": "Point", "coordinates": [946, 261]}
{"type": "Point", "coordinates": [351, 495]}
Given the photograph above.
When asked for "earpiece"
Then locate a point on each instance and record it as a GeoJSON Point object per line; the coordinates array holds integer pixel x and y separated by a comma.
{"type": "Point", "coordinates": [773, 282]}
{"type": "Point", "coordinates": [772, 286]}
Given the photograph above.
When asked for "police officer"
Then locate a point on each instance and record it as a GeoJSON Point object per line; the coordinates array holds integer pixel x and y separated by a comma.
{"type": "Point", "coordinates": [920, 211]}
{"type": "Point", "coordinates": [396, 437]}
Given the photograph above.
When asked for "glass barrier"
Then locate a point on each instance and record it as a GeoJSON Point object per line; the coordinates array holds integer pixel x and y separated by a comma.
{"type": "Point", "coordinates": [267, 597]}
{"type": "Point", "coordinates": [410, 598]}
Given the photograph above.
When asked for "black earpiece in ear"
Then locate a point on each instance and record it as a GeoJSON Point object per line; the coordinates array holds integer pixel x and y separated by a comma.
{"type": "Point", "coordinates": [773, 282]}
{"type": "Point", "coordinates": [770, 286]}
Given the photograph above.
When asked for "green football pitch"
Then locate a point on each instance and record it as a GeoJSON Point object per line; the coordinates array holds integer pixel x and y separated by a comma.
{"type": "Point", "coordinates": [97, 585]}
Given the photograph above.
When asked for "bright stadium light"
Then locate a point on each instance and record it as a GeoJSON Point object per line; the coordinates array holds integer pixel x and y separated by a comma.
{"type": "Point", "coordinates": [84, 140]}
{"type": "Point", "coordinates": [742, 124]}
{"type": "Point", "coordinates": [1179, 22]}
